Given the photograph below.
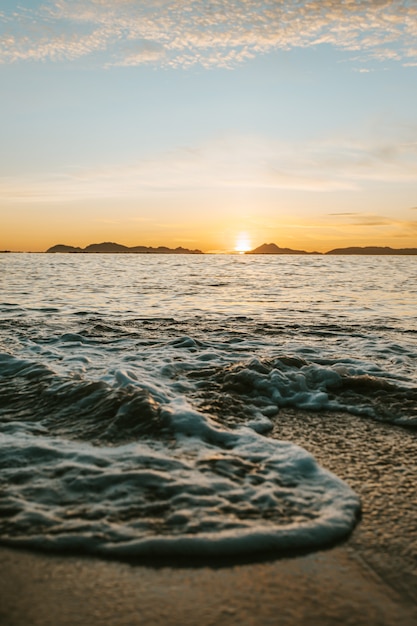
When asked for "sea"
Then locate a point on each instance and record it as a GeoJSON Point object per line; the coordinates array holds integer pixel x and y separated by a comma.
{"type": "Point", "coordinates": [138, 394]}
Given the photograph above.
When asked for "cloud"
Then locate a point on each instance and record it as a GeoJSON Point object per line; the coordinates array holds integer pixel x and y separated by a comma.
{"type": "Point", "coordinates": [210, 33]}
{"type": "Point", "coordinates": [362, 220]}
{"type": "Point", "coordinates": [374, 220]}
{"type": "Point", "coordinates": [232, 162]}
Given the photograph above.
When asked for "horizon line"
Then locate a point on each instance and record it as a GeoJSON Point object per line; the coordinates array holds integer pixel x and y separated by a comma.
{"type": "Point", "coordinates": [188, 251]}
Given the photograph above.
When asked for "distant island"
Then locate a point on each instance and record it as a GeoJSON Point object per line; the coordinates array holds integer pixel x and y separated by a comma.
{"type": "Point", "coordinates": [109, 247]}
{"type": "Point", "coordinates": [272, 248]}
{"type": "Point", "coordinates": [373, 250]}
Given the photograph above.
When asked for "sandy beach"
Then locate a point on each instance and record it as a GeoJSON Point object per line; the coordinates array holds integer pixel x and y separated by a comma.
{"type": "Point", "coordinates": [371, 579]}
{"type": "Point", "coordinates": [208, 297]}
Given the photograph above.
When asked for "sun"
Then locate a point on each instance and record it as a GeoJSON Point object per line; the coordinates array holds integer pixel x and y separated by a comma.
{"type": "Point", "coordinates": [243, 243]}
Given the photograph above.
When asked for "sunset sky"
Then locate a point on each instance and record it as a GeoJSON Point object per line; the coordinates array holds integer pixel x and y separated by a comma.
{"type": "Point", "coordinates": [198, 123]}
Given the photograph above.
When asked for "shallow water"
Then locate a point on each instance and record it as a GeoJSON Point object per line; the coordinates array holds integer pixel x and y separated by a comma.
{"type": "Point", "coordinates": [137, 393]}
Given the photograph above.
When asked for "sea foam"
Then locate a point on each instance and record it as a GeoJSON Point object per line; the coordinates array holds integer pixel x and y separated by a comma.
{"type": "Point", "coordinates": [210, 492]}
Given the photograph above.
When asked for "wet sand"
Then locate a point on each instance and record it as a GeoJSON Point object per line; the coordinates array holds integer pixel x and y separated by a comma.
{"type": "Point", "coordinates": [371, 579]}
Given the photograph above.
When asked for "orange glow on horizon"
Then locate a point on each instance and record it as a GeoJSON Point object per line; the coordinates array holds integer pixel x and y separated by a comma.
{"type": "Point", "coordinates": [24, 229]}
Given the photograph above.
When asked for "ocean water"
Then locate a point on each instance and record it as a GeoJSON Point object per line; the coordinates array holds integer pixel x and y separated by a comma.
{"type": "Point", "coordinates": [138, 392]}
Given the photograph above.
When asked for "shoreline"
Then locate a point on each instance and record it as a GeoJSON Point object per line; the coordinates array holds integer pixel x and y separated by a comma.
{"type": "Point", "coordinates": [370, 579]}
{"type": "Point", "coordinates": [379, 462]}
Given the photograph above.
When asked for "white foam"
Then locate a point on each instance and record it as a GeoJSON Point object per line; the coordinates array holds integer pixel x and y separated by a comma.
{"type": "Point", "coordinates": [216, 492]}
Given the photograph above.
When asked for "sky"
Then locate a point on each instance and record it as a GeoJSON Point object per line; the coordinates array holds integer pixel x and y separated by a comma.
{"type": "Point", "coordinates": [214, 125]}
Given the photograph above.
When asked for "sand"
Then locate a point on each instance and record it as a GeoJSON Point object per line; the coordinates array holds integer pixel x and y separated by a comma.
{"type": "Point", "coordinates": [371, 579]}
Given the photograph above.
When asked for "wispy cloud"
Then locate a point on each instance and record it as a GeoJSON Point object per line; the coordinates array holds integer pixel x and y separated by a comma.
{"type": "Point", "coordinates": [346, 214]}
{"type": "Point", "coordinates": [211, 33]}
{"type": "Point", "coordinates": [374, 220]}
{"type": "Point", "coordinates": [361, 221]}
{"type": "Point", "coordinates": [231, 162]}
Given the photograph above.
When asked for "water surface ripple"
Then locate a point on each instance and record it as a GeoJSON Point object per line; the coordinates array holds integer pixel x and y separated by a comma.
{"type": "Point", "coordinates": [138, 394]}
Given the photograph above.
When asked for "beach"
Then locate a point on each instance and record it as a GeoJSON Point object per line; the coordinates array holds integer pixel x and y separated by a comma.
{"type": "Point", "coordinates": [208, 297]}
{"type": "Point", "coordinates": [370, 579]}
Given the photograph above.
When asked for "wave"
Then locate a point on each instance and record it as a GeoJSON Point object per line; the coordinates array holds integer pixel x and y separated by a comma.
{"type": "Point", "coordinates": [183, 485]}
{"type": "Point", "coordinates": [134, 464]}
{"type": "Point", "coordinates": [268, 385]}
{"type": "Point", "coordinates": [126, 404]}
{"type": "Point", "coordinates": [74, 408]}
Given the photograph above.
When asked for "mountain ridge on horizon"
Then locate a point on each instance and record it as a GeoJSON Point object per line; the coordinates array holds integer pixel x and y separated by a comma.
{"type": "Point", "coordinates": [272, 248]}
{"type": "Point", "coordinates": [109, 247]}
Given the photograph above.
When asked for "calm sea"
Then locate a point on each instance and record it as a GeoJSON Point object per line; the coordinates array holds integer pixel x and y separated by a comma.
{"type": "Point", "coordinates": [137, 394]}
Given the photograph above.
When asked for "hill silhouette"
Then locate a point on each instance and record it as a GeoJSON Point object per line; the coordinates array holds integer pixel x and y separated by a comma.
{"type": "Point", "coordinates": [109, 247]}
{"type": "Point", "coordinates": [379, 250]}
{"type": "Point", "coordinates": [272, 248]}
